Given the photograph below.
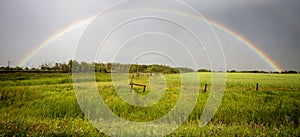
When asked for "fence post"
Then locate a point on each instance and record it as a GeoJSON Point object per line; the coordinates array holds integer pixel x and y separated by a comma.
{"type": "Point", "coordinates": [144, 89]}
{"type": "Point", "coordinates": [205, 88]}
{"type": "Point", "coordinates": [256, 86]}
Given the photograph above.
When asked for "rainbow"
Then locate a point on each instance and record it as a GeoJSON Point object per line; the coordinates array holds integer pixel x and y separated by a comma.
{"type": "Point", "coordinates": [248, 43]}
{"type": "Point", "coordinates": [53, 37]}
{"type": "Point", "coordinates": [219, 26]}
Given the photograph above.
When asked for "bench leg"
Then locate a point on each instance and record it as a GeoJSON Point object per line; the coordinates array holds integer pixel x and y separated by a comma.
{"type": "Point", "coordinates": [131, 86]}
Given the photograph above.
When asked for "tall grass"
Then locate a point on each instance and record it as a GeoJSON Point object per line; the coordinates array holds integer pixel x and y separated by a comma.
{"type": "Point", "coordinates": [45, 104]}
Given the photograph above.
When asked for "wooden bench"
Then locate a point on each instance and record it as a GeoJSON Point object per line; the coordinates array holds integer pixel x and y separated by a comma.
{"type": "Point", "coordinates": [135, 84]}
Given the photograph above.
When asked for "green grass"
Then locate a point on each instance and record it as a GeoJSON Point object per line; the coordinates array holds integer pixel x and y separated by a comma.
{"type": "Point", "coordinates": [46, 105]}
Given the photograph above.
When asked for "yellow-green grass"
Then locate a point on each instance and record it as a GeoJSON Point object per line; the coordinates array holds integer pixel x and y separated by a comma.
{"type": "Point", "coordinates": [46, 105]}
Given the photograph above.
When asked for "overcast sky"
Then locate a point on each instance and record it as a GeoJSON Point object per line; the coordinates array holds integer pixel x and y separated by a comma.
{"type": "Point", "coordinates": [272, 25]}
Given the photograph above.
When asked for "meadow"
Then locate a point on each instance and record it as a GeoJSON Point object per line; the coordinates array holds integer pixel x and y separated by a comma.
{"type": "Point", "coordinates": [46, 105]}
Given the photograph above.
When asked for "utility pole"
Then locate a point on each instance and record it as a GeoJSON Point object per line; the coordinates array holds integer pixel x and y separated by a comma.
{"type": "Point", "coordinates": [164, 69]}
{"type": "Point", "coordinates": [137, 69]}
{"type": "Point", "coordinates": [8, 64]}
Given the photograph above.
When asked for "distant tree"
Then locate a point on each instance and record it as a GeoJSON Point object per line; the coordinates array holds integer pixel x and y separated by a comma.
{"type": "Point", "coordinates": [100, 67]}
{"type": "Point", "coordinates": [175, 70]}
{"type": "Point", "coordinates": [289, 72]}
{"type": "Point", "coordinates": [254, 71]}
{"type": "Point", "coordinates": [133, 68]}
{"type": "Point", "coordinates": [103, 68]}
{"type": "Point", "coordinates": [97, 67]}
{"type": "Point", "coordinates": [45, 66]}
{"type": "Point", "coordinates": [86, 67]}
{"type": "Point", "coordinates": [2, 68]}
{"type": "Point", "coordinates": [34, 69]}
{"type": "Point", "coordinates": [56, 67]}
{"type": "Point", "coordinates": [124, 68]}
{"type": "Point", "coordinates": [232, 71]}
{"type": "Point", "coordinates": [75, 66]}
{"type": "Point", "coordinates": [17, 68]}
{"type": "Point", "coordinates": [155, 68]}
{"type": "Point", "coordinates": [143, 68]}
{"type": "Point", "coordinates": [204, 70]}
{"type": "Point", "coordinates": [70, 63]}
{"type": "Point", "coordinates": [292, 72]}
{"type": "Point", "coordinates": [64, 67]}
{"type": "Point", "coordinates": [185, 70]}
{"type": "Point", "coordinates": [109, 67]}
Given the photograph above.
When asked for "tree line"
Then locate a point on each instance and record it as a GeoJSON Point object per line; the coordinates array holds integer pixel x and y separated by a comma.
{"type": "Point", "coordinates": [75, 66]}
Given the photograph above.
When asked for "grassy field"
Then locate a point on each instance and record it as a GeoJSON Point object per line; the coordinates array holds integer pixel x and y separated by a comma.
{"type": "Point", "coordinates": [46, 105]}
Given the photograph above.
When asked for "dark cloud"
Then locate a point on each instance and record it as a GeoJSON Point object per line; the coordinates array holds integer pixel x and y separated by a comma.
{"type": "Point", "coordinates": [272, 25]}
